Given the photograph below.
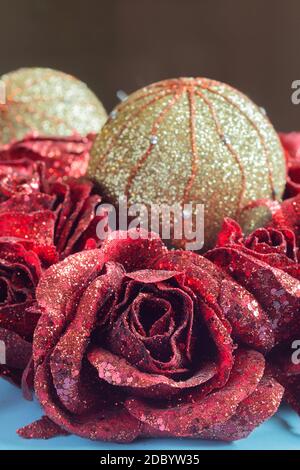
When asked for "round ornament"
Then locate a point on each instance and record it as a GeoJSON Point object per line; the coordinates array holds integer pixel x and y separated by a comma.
{"type": "Point", "coordinates": [190, 141]}
{"type": "Point", "coordinates": [48, 102]}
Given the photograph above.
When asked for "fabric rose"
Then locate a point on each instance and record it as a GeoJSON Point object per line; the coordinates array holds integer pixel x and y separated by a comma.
{"type": "Point", "coordinates": [136, 340]}
{"type": "Point", "coordinates": [20, 270]}
{"type": "Point", "coordinates": [266, 264]}
{"type": "Point", "coordinates": [62, 156]}
{"type": "Point", "coordinates": [41, 221]}
{"type": "Point", "coordinates": [56, 218]}
{"type": "Point", "coordinates": [291, 145]}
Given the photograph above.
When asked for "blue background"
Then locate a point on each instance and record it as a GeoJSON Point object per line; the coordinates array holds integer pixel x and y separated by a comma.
{"type": "Point", "coordinates": [280, 432]}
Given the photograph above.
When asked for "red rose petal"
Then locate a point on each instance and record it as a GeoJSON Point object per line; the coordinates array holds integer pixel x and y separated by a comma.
{"type": "Point", "coordinates": [60, 213]}
{"type": "Point", "coordinates": [38, 227]}
{"type": "Point", "coordinates": [21, 272]}
{"type": "Point", "coordinates": [224, 345]}
{"type": "Point", "coordinates": [19, 318]}
{"type": "Point", "coordinates": [254, 410]}
{"type": "Point", "coordinates": [75, 197]}
{"type": "Point", "coordinates": [195, 266]}
{"type": "Point", "coordinates": [149, 276]}
{"type": "Point", "coordinates": [74, 391]}
{"type": "Point", "coordinates": [63, 156]}
{"type": "Point", "coordinates": [58, 291]}
{"type": "Point", "coordinates": [112, 423]}
{"type": "Point", "coordinates": [277, 292]}
{"type": "Point", "coordinates": [123, 340]}
{"type": "Point", "coordinates": [128, 338]}
{"type": "Point", "coordinates": [43, 428]}
{"type": "Point", "coordinates": [83, 230]}
{"type": "Point", "coordinates": [17, 350]}
{"type": "Point", "coordinates": [189, 420]}
{"type": "Point", "coordinates": [204, 280]}
{"type": "Point", "coordinates": [231, 233]}
{"type": "Point", "coordinates": [120, 373]}
{"type": "Point", "coordinates": [134, 249]}
{"type": "Point", "coordinates": [27, 381]}
{"type": "Point", "coordinates": [47, 254]}
{"type": "Point", "coordinates": [250, 324]}
{"type": "Point", "coordinates": [14, 255]}
{"type": "Point", "coordinates": [68, 275]}
{"type": "Point", "coordinates": [20, 177]}
{"type": "Point", "coordinates": [28, 203]}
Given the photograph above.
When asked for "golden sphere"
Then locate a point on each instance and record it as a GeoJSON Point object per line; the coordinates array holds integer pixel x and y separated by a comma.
{"type": "Point", "coordinates": [48, 102]}
{"type": "Point", "coordinates": [190, 140]}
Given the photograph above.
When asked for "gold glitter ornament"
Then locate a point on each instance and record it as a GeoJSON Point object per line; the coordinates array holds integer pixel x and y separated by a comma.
{"type": "Point", "coordinates": [48, 102]}
{"type": "Point", "coordinates": [190, 140]}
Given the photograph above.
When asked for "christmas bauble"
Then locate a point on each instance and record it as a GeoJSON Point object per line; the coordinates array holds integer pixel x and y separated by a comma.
{"type": "Point", "coordinates": [49, 102]}
{"type": "Point", "coordinates": [190, 140]}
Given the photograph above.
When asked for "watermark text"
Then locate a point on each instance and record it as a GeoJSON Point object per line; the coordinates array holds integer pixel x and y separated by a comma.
{"type": "Point", "coordinates": [177, 222]}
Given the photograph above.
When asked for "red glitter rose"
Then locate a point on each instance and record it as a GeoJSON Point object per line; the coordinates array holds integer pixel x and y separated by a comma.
{"type": "Point", "coordinates": [136, 340]}
{"type": "Point", "coordinates": [55, 219]}
{"type": "Point", "coordinates": [41, 221]}
{"type": "Point", "coordinates": [63, 156]}
{"type": "Point", "coordinates": [291, 145]}
{"type": "Point", "coordinates": [266, 264]}
{"type": "Point", "coordinates": [20, 270]}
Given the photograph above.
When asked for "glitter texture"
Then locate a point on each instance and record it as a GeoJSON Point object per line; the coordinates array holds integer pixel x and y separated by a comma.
{"type": "Point", "coordinates": [49, 102]}
{"type": "Point", "coordinates": [190, 140]}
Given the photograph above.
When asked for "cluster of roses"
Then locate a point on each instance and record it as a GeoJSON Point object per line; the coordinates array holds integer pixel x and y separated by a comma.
{"type": "Point", "coordinates": [130, 339]}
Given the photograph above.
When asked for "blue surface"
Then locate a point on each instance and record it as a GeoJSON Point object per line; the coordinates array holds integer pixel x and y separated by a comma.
{"type": "Point", "coordinates": [280, 432]}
